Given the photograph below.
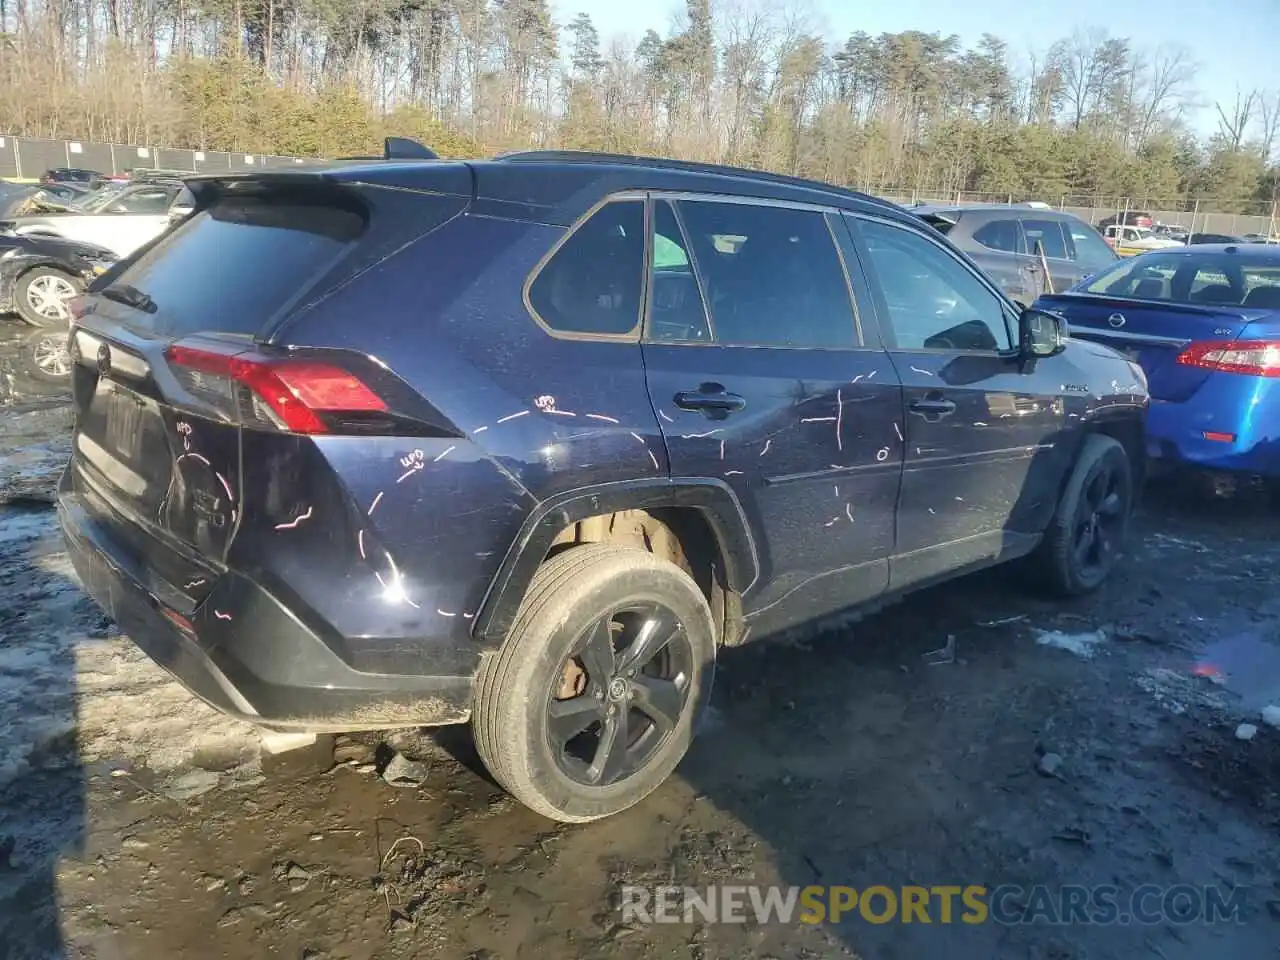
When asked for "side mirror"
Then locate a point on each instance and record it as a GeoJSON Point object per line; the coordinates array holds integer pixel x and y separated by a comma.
{"type": "Point", "coordinates": [1042, 334]}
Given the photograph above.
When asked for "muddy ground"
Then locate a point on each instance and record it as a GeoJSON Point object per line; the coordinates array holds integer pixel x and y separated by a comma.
{"type": "Point", "coordinates": [135, 822]}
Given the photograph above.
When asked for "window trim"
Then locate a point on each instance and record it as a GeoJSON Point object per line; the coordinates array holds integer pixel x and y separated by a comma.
{"type": "Point", "coordinates": [630, 336]}
{"type": "Point", "coordinates": [889, 336]}
{"type": "Point", "coordinates": [677, 197]}
{"type": "Point", "coordinates": [651, 206]}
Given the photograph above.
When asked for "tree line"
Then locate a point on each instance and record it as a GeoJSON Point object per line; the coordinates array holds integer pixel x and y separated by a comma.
{"type": "Point", "coordinates": [745, 82]}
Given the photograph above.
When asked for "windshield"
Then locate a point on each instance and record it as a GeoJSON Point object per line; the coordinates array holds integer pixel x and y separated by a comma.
{"type": "Point", "coordinates": [1205, 279]}
{"type": "Point", "coordinates": [95, 201]}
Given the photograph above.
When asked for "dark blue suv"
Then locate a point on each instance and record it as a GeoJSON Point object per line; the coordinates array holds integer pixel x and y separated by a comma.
{"type": "Point", "coordinates": [525, 441]}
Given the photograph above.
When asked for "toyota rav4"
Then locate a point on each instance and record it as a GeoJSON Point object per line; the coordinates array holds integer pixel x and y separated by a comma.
{"type": "Point", "coordinates": [525, 442]}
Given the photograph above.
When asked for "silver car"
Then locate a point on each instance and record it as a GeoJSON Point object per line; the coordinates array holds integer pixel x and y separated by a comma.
{"type": "Point", "coordinates": [118, 217]}
{"type": "Point", "coordinates": [1007, 242]}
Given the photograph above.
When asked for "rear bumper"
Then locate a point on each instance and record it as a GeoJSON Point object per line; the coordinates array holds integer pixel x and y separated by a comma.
{"type": "Point", "coordinates": [1246, 408]}
{"type": "Point", "coordinates": [247, 655]}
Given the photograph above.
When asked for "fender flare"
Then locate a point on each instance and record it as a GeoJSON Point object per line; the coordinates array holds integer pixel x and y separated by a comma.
{"type": "Point", "coordinates": [714, 499]}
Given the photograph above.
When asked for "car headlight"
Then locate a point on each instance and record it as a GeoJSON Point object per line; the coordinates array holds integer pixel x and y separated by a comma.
{"type": "Point", "coordinates": [100, 265]}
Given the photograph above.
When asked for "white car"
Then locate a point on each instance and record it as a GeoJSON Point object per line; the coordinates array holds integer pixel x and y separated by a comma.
{"type": "Point", "coordinates": [1130, 241]}
{"type": "Point", "coordinates": [118, 217]}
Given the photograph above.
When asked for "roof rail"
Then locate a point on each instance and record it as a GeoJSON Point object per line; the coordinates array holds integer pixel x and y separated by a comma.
{"type": "Point", "coordinates": [692, 166]}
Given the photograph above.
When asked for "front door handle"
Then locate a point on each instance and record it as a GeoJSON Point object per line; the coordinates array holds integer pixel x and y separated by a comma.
{"type": "Point", "coordinates": [933, 407]}
{"type": "Point", "coordinates": [711, 400]}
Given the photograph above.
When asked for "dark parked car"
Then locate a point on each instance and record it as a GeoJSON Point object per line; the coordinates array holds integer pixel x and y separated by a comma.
{"type": "Point", "coordinates": [71, 175]}
{"type": "Point", "coordinates": [157, 175]}
{"type": "Point", "coordinates": [525, 441]}
{"type": "Point", "coordinates": [39, 276]}
{"type": "Point", "coordinates": [1214, 238]}
{"type": "Point", "coordinates": [1006, 242]}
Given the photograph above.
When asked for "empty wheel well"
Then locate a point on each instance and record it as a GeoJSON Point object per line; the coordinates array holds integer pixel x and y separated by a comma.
{"type": "Point", "coordinates": [679, 535]}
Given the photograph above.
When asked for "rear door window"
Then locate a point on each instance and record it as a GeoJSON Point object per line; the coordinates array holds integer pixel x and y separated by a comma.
{"type": "Point", "coordinates": [1000, 235]}
{"type": "Point", "coordinates": [1089, 249]}
{"type": "Point", "coordinates": [771, 275]}
{"type": "Point", "coordinates": [592, 283]}
{"type": "Point", "coordinates": [230, 268]}
{"type": "Point", "coordinates": [1046, 234]}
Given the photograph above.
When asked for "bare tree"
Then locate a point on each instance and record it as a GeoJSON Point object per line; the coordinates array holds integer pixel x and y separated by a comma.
{"type": "Point", "coordinates": [747, 35]}
{"type": "Point", "coordinates": [1165, 89]}
{"type": "Point", "coordinates": [1269, 115]}
{"type": "Point", "coordinates": [1233, 126]}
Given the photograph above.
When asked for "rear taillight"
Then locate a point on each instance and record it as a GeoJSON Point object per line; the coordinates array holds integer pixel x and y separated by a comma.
{"type": "Point", "coordinates": [1258, 358]}
{"type": "Point", "coordinates": [293, 394]}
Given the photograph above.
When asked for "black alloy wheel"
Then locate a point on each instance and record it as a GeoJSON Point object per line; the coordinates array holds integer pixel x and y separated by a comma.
{"type": "Point", "coordinates": [620, 693]}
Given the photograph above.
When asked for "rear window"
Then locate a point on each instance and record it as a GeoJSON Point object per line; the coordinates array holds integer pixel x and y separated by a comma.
{"type": "Point", "coordinates": [232, 267]}
{"type": "Point", "coordinates": [1218, 279]}
{"type": "Point", "coordinates": [999, 235]}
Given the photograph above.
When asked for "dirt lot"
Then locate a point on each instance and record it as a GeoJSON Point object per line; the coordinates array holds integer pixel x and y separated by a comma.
{"type": "Point", "coordinates": [135, 822]}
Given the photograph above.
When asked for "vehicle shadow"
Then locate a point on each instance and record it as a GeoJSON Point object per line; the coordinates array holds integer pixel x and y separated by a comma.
{"type": "Point", "coordinates": [42, 616]}
{"type": "Point", "coordinates": [42, 783]}
{"type": "Point", "coordinates": [865, 756]}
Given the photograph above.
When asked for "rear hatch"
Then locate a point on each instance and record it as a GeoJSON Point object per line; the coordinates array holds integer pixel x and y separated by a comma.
{"type": "Point", "coordinates": [173, 363]}
{"type": "Point", "coordinates": [1153, 333]}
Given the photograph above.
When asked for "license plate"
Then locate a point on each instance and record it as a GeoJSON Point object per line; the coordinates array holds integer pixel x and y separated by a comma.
{"type": "Point", "coordinates": [124, 420]}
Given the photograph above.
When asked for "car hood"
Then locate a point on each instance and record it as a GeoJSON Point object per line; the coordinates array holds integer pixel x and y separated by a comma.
{"type": "Point", "coordinates": [55, 247]}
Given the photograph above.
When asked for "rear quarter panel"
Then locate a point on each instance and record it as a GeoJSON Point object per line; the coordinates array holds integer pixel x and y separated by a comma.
{"type": "Point", "coordinates": [535, 415]}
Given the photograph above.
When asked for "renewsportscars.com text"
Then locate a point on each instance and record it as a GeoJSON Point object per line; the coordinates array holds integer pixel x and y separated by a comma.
{"type": "Point", "coordinates": [941, 904]}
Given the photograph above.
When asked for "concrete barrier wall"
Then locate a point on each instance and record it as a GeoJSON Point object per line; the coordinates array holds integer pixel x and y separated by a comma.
{"type": "Point", "coordinates": [23, 158]}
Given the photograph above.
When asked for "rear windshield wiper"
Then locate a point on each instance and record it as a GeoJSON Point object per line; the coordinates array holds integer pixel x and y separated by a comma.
{"type": "Point", "coordinates": [130, 296]}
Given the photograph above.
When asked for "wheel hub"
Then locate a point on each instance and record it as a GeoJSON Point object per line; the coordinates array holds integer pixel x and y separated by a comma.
{"type": "Point", "coordinates": [618, 688]}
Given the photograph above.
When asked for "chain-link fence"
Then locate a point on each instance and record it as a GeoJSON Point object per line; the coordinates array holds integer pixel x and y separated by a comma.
{"type": "Point", "coordinates": [22, 158]}
{"type": "Point", "coordinates": [1203, 215]}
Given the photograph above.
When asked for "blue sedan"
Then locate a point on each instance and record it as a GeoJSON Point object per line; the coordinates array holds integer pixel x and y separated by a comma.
{"type": "Point", "coordinates": [1204, 324]}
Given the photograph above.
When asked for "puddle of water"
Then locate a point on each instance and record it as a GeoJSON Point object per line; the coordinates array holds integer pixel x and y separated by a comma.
{"type": "Point", "coordinates": [1247, 664]}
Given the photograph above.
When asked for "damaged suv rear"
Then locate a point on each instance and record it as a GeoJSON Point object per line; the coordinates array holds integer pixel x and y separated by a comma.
{"type": "Point", "coordinates": [525, 441]}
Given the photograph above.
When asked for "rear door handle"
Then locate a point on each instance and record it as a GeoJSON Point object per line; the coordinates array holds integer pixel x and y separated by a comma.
{"type": "Point", "coordinates": [933, 407]}
{"type": "Point", "coordinates": [711, 400]}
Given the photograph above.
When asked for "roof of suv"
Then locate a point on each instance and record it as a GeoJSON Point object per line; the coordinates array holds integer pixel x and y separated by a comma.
{"type": "Point", "coordinates": [552, 185]}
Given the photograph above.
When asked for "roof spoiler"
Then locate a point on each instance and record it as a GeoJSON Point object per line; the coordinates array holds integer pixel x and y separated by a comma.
{"type": "Point", "coordinates": [402, 148]}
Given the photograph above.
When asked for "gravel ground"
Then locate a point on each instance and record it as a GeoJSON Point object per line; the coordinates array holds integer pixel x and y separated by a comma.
{"type": "Point", "coordinates": [1089, 743]}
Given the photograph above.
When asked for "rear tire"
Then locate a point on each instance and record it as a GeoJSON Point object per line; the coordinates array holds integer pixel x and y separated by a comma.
{"type": "Point", "coordinates": [615, 644]}
{"type": "Point", "coordinates": [41, 296]}
{"type": "Point", "coordinates": [1091, 524]}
